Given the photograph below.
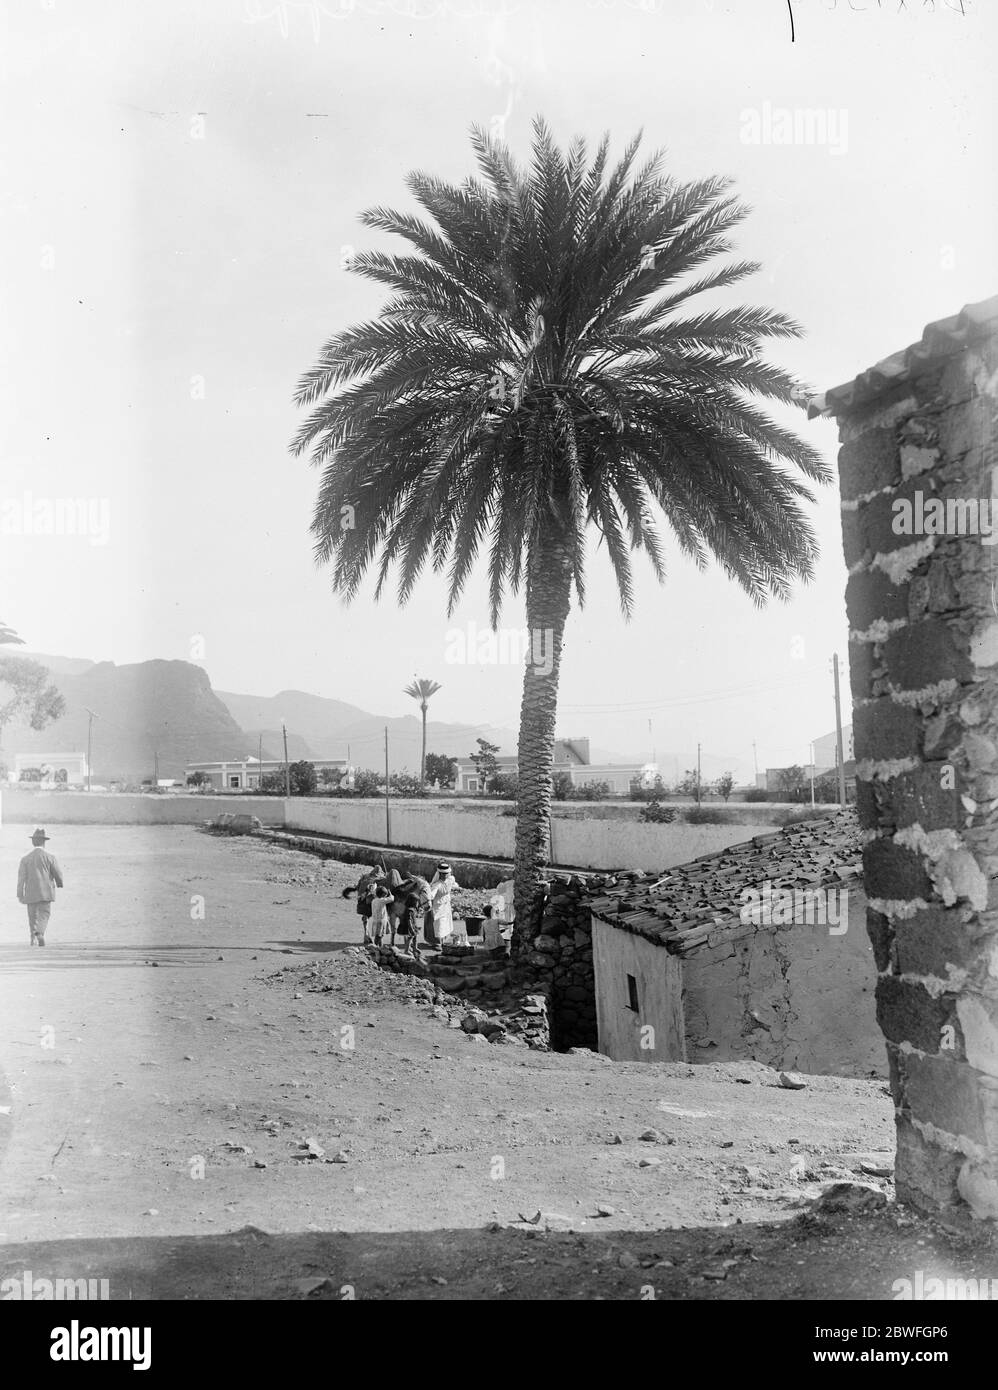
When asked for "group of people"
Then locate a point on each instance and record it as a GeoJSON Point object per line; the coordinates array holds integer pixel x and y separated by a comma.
{"type": "Point", "coordinates": [389, 904]}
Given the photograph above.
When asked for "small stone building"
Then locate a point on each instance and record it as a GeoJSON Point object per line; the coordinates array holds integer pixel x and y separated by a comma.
{"type": "Point", "coordinates": [758, 952]}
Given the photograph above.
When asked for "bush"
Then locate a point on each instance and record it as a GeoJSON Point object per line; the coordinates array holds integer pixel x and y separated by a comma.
{"type": "Point", "coordinates": [504, 786]}
{"type": "Point", "coordinates": [639, 793]}
{"type": "Point", "coordinates": [405, 784]}
{"type": "Point", "coordinates": [657, 814]}
{"type": "Point", "coordinates": [366, 782]}
{"type": "Point", "coordinates": [703, 815]}
{"type": "Point", "coordinates": [592, 791]}
{"type": "Point", "coordinates": [562, 786]}
{"type": "Point", "coordinates": [757, 794]}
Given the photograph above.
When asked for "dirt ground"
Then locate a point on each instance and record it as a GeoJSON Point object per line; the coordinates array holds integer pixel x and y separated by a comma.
{"type": "Point", "coordinates": [206, 1094]}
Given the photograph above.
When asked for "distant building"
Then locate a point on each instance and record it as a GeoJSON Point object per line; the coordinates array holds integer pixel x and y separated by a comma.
{"type": "Point", "coordinates": [825, 757]}
{"type": "Point", "coordinates": [51, 765]}
{"type": "Point", "coordinates": [571, 755]}
{"type": "Point", "coordinates": [238, 775]}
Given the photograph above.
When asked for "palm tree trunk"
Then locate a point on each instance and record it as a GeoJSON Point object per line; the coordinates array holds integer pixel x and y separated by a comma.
{"type": "Point", "coordinates": [422, 760]}
{"type": "Point", "coordinates": [548, 600]}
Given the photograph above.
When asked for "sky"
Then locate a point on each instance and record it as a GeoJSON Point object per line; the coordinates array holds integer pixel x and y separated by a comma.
{"type": "Point", "coordinates": [184, 184]}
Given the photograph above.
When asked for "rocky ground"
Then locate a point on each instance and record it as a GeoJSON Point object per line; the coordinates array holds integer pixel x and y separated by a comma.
{"type": "Point", "coordinates": [208, 1094]}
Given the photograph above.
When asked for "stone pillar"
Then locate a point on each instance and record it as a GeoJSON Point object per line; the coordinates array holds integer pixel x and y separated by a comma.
{"type": "Point", "coordinates": [916, 474]}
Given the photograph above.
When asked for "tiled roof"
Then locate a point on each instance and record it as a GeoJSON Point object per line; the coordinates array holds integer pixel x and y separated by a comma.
{"type": "Point", "coordinates": [693, 904]}
{"type": "Point", "coordinates": [939, 340]}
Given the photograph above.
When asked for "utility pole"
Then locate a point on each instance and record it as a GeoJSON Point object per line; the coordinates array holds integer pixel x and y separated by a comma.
{"type": "Point", "coordinates": [287, 768]}
{"type": "Point", "coordinates": [755, 762]}
{"type": "Point", "coordinates": [698, 774]}
{"type": "Point", "coordinates": [812, 774]}
{"type": "Point", "coordinates": [840, 760]}
{"type": "Point", "coordinates": [155, 760]}
{"type": "Point", "coordinates": [90, 729]}
{"type": "Point", "coordinates": [259, 770]}
{"type": "Point", "coordinates": [388, 810]}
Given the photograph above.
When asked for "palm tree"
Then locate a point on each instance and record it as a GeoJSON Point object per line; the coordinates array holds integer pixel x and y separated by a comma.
{"type": "Point", "coordinates": [536, 373]}
{"type": "Point", "coordinates": [9, 637]}
{"type": "Point", "coordinates": [421, 690]}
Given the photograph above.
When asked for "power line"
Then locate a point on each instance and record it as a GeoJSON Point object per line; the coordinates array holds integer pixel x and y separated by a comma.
{"type": "Point", "coordinates": [705, 697]}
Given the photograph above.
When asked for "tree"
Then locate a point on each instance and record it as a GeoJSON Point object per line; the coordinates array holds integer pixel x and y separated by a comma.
{"type": "Point", "coordinates": [366, 782]}
{"type": "Point", "coordinates": [27, 695]}
{"type": "Point", "coordinates": [421, 690]}
{"type": "Point", "coordinates": [303, 778]}
{"type": "Point", "coordinates": [8, 637]}
{"type": "Point", "coordinates": [198, 779]}
{"type": "Point", "coordinates": [504, 785]}
{"type": "Point", "coordinates": [790, 782]}
{"type": "Point", "coordinates": [562, 785]}
{"type": "Point", "coordinates": [331, 776]}
{"type": "Point", "coordinates": [537, 372]}
{"type": "Point", "coordinates": [594, 791]}
{"type": "Point", "coordinates": [485, 762]}
{"type": "Point", "coordinates": [405, 784]}
{"type": "Point", "coordinates": [688, 785]}
{"type": "Point", "coordinates": [440, 768]}
{"type": "Point", "coordinates": [30, 774]}
{"type": "Point", "coordinates": [724, 785]}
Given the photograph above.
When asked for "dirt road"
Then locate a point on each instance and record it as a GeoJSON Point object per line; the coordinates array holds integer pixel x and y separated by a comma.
{"type": "Point", "coordinates": [211, 1096]}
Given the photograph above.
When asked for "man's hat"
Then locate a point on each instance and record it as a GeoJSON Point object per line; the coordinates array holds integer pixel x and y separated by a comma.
{"type": "Point", "coordinates": [39, 837]}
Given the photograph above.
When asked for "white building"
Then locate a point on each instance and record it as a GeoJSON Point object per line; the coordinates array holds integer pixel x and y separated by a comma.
{"type": "Point", "coordinates": [243, 774]}
{"type": "Point", "coordinates": [571, 755]}
{"type": "Point", "coordinates": [52, 767]}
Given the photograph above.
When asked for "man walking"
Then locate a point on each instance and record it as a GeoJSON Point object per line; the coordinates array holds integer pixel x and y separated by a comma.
{"type": "Point", "coordinates": [38, 876]}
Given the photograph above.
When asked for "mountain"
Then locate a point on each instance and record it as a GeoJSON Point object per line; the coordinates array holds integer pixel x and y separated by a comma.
{"type": "Point", "coordinates": [164, 707]}
{"type": "Point", "coordinates": [333, 729]}
{"type": "Point", "coordinates": [169, 707]}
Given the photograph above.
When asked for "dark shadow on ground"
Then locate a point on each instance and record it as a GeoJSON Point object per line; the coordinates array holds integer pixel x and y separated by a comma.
{"type": "Point", "coordinates": [298, 948]}
{"type": "Point", "coordinates": [808, 1258]}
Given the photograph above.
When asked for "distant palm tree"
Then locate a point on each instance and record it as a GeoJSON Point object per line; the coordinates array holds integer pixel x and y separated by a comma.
{"type": "Point", "coordinates": [421, 690]}
{"type": "Point", "coordinates": [531, 377]}
{"type": "Point", "coordinates": [8, 636]}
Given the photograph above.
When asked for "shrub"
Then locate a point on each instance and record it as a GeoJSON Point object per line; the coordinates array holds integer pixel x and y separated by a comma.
{"type": "Point", "coordinates": [405, 784]}
{"type": "Point", "coordinates": [505, 786]}
{"type": "Point", "coordinates": [639, 793]}
{"type": "Point", "coordinates": [592, 791]}
{"type": "Point", "coordinates": [562, 786]}
{"type": "Point", "coordinates": [657, 814]}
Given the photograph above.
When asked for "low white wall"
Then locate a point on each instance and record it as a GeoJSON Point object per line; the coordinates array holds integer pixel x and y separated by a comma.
{"type": "Point", "coordinates": [19, 807]}
{"type": "Point", "coordinates": [582, 844]}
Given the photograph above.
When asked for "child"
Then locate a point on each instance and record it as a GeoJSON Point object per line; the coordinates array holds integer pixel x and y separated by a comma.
{"type": "Point", "coordinates": [411, 919]}
{"type": "Point", "coordinates": [379, 912]}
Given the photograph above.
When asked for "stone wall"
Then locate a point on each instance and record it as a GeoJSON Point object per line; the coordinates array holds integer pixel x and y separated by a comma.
{"type": "Point", "coordinates": [473, 988]}
{"type": "Point", "coordinates": [923, 651]}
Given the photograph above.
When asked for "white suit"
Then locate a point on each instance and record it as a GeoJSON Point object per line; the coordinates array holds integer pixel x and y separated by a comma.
{"type": "Point", "coordinates": [443, 915]}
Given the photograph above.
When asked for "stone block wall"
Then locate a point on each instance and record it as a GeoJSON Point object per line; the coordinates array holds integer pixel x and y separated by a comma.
{"type": "Point", "coordinates": [923, 656]}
